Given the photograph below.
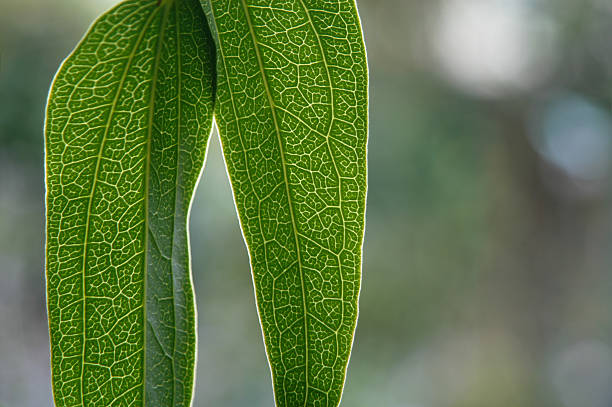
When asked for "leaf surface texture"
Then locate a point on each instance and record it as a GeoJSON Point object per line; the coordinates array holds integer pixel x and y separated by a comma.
{"type": "Point", "coordinates": [292, 116]}
{"type": "Point", "coordinates": [128, 120]}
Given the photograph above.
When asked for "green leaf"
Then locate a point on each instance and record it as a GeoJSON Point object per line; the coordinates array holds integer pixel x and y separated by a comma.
{"type": "Point", "coordinates": [128, 120]}
{"type": "Point", "coordinates": [292, 115]}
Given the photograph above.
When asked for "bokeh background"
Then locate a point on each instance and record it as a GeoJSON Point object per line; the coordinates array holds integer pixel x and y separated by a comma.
{"type": "Point", "coordinates": [487, 276]}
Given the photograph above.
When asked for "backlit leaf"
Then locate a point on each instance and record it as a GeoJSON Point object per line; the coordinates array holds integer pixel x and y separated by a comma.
{"type": "Point", "coordinates": [292, 115]}
{"type": "Point", "coordinates": [128, 119]}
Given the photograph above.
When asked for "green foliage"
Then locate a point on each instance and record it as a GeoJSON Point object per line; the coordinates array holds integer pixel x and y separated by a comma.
{"type": "Point", "coordinates": [128, 120]}
{"type": "Point", "coordinates": [292, 118]}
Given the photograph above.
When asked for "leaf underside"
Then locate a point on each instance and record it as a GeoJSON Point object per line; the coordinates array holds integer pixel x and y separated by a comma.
{"type": "Point", "coordinates": [291, 108]}
{"type": "Point", "coordinates": [128, 120]}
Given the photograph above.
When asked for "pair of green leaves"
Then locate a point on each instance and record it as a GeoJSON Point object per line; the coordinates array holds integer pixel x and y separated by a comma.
{"type": "Point", "coordinates": [128, 121]}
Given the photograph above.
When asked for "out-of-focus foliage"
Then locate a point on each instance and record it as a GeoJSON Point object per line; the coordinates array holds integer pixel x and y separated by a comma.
{"type": "Point", "coordinates": [489, 227]}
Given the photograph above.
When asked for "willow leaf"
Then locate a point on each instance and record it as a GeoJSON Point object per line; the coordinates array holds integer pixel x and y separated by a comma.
{"type": "Point", "coordinates": [128, 119]}
{"type": "Point", "coordinates": [292, 115]}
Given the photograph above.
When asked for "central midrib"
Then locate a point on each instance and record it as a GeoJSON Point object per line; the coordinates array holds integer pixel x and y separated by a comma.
{"type": "Point", "coordinates": [176, 185]}
{"type": "Point", "coordinates": [146, 198]}
{"type": "Point", "coordinates": [286, 181]}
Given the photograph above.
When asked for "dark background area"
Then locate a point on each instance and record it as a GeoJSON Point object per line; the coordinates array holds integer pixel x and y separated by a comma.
{"type": "Point", "coordinates": [487, 275]}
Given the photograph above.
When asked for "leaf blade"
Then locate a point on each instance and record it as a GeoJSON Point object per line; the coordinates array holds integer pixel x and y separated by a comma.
{"type": "Point", "coordinates": [292, 116]}
{"type": "Point", "coordinates": [123, 155]}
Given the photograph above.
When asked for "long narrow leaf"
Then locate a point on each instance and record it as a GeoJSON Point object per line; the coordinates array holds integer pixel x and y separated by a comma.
{"type": "Point", "coordinates": [292, 115]}
{"type": "Point", "coordinates": [128, 119]}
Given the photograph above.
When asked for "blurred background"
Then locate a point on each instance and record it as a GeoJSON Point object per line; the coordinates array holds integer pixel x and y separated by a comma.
{"type": "Point", "coordinates": [487, 276]}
